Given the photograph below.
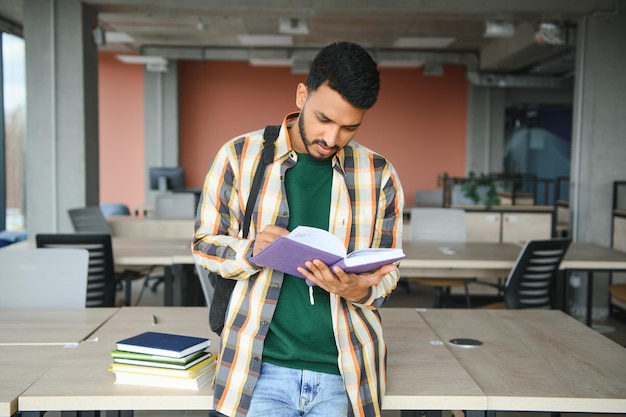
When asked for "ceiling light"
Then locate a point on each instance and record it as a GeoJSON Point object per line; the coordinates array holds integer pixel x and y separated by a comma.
{"type": "Point", "coordinates": [293, 26]}
{"type": "Point", "coordinates": [387, 63]}
{"type": "Point", "coordinates": [266, 40]}
{"type": "Point", "coordinates": [142, 59]}
{"type": "Point", "coordinates": [118, 37]}
{"type": "Point", "coordinates": [270, 62]}
{"type": "Point", "coordinates": [498, 29]}
{"type": "Point", "coordinates": [423, 42]}
{"type": "Point", "coordinates": [549, 33]}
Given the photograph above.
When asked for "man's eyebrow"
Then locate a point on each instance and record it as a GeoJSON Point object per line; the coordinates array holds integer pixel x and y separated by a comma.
{"type": "Point", "coordinates": [323, 116]}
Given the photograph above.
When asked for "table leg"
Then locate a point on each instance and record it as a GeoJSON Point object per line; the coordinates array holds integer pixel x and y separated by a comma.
{"type": "Point", "coordinates": [186, 286]}
{"type": "Point", "coordinates": [128, 285]}
{"type": "Point", "coordinates": [168, 286]}
{"type": "Point", "coordinates": [589, 314]}
{"type": "Point", "coordinates": [560, 301]}
{"type": "Point", "coordinates": [119, 413]}
{"type": "Point", "coordinates": [480, 413]}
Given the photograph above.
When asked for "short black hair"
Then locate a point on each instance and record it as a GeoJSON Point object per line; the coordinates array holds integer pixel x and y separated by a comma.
{"type": "Point", "coordinates": [349, 70]}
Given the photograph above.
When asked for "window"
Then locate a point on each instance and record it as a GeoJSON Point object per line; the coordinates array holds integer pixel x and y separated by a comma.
{"type": "Point", "coordinates": [12, 191]}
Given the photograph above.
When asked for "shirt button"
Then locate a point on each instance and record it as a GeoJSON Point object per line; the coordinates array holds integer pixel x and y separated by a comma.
{"type": "Point", "coordinates": [264, 323]}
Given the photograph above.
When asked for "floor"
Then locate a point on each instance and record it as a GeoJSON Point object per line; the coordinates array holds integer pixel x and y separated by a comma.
{"type": "Point", "coordinates": [411, 295]}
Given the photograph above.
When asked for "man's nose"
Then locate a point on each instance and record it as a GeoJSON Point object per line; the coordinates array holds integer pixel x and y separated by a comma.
{"type": "Point", "coordinates": [331, 136]}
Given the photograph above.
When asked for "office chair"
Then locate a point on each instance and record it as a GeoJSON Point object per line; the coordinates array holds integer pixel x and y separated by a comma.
{"type": "Point", "coordinates": [43, 278]}
{"type": "Point", "coordinates": [89, 219]}
{"type": "Point", "coordinates": [531, 282]}
{"type": "Point", "coordinates": [114, 209]}
{"type": "Point", "coordinates": [175, 206]}
{"type": "Point", "coordinates": [92, 219]}
{"type": "Point", "coordinates": [101, 274]}
{"type": "Point", "coordinates": [440, 225]}
{"type": "Point", "coordinates": [429, 198]}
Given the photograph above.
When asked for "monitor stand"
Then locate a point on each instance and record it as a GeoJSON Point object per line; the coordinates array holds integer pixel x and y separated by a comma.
{"type": "Point", "coordinates": [162, 184]}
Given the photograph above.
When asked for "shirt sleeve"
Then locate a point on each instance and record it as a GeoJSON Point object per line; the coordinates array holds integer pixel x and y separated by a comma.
{"type": "Point", "coordinates": [217, 244]}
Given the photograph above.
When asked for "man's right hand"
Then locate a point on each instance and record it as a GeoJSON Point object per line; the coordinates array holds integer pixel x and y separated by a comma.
{"type": "Point", "coordinates": [266, 236]}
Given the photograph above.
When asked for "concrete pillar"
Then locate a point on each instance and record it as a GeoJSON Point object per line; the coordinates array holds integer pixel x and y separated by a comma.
{"type": "Point", "coordinates": [61, 147]}
{"type": "Point", "coordinates": [599, 142]}
{"type": "Point", "coordinates": [485, 131]}
{"type": "Point", "coordinates": [161, 123]}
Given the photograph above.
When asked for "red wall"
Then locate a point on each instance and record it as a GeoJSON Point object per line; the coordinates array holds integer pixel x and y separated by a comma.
{"type": "Point", "coordinates": [120, 97]}
{"type": "Point", "coordinates": [419, 122]}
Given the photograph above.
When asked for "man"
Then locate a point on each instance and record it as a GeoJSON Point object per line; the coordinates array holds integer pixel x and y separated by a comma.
{"type": "Point", "coordinates": [285, 352]}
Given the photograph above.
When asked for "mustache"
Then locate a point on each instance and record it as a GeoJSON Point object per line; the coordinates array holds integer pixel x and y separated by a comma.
{"type": "Point", "coordinates": [324, 144]}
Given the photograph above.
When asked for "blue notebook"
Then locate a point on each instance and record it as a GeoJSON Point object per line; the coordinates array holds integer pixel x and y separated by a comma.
{"type": "Point", "coordinates": [163, 344]}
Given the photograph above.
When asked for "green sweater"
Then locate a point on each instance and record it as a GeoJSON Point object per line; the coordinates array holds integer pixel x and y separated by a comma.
{"type": "Point", "coordinates": [301, 335]}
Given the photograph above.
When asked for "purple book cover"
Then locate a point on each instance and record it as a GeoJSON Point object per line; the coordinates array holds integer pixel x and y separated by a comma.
{"type": "Point", "coordinates": [285, 254]}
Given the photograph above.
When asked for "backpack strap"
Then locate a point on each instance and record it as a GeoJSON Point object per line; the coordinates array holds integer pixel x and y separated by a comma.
{"type": "Point", "coordinates": [267, 155]}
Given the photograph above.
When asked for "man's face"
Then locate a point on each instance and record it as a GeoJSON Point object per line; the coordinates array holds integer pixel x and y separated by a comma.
{"type": "Point", "coordinates": [327, 122]}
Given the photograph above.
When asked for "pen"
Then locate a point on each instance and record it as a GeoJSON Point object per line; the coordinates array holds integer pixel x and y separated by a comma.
{"type": "Point", "coordinates": [154, 320]}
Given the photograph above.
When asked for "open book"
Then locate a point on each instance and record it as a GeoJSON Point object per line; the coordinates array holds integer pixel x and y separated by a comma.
{"type": "Point", "coordinates": [306, 243]}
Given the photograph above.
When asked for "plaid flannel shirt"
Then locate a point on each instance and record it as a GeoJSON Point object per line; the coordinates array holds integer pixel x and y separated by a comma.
{"type": "Point", "coordinates": [366, 211]}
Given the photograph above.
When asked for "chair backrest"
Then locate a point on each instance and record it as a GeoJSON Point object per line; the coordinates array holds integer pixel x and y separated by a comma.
{"type": "Point", "coordinates": [429, 198]}
{"type": "Point", "coordinates": [89, 219]}
{"type": "Point", "coordinates": [101, 275]}
{"type": "Point", "coordinates": [43, 278]}
{"type": "Point", "coordinates": [114, 209]}
{"type": "Point", "coordinates": [437, 225]}
{"type": "Point", "coordinates": [531, 282]}
{"type": "Point", "coordinates": [175, 206]}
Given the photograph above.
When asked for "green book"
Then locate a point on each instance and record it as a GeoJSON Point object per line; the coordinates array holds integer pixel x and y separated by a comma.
{"type": "Point", "coordinates": [185, 360]}
{"type": "Point", "coordinates": [156, 364]}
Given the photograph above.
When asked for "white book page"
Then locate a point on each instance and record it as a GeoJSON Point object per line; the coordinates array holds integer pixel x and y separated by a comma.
{"type": "Point", "coordinates": [318, 238]}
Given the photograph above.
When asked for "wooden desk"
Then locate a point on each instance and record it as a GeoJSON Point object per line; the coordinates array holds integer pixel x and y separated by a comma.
{"type": "Point", "coordinates": [530, 361]}
{"type": "Point", "coordinates": [145, 227]}
{"type": "Point", "coordinates": [134, 251]}
{"type": "Point", "coordinates": [592, 258]}
{"type": "Point", "coordinates": [21, 367]}
{"type": "Point", "coordinates": [33, 340]}
{"type": "Point", "coordinates": [470, 259]}
{"type": "Point", "coordinates": [536, 360]}
{"type": "Point", "coordinates": [50, 326]}
{"type": "Point", "coordinates": [85, 374]}
{"type": "Point", "coordinates": [421, 373]}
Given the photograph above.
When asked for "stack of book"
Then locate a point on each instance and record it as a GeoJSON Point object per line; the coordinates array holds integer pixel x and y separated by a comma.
{"type": "Point", "coordinates": [163, 360]}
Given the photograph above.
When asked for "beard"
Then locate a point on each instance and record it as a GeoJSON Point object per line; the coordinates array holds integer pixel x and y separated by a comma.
{"type": "Point", "coordinates": [307, 143]}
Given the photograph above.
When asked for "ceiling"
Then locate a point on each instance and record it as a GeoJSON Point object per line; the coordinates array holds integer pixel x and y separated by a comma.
{"type": "Point", "coordinates": [218, 30]}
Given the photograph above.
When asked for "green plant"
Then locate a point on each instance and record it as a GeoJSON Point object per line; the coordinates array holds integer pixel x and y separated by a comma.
{"type": "Point", "coordinates": [471, 185]}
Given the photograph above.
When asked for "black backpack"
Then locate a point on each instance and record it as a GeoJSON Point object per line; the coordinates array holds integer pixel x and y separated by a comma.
{"type": "Point", "coordinates": [223, 288]}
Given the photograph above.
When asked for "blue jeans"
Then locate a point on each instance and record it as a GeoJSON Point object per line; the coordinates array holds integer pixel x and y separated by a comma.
{"type": "Point", "coordinates": [286, 392]}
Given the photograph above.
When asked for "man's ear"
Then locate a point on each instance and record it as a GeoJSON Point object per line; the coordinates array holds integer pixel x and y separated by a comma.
{"type": "Point", "coordinates": [301, 94]}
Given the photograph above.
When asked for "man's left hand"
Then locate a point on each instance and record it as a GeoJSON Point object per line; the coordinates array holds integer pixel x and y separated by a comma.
{"type": "Point", "coordinates": [352, 287]}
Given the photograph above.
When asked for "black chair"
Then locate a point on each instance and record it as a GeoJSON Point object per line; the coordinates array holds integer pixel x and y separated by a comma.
{"type": "Point", "coordinates": [89, 219]}
{"type": "Point", "coordinates": [532, 281]}
{"type": "Point", "coordinates": [101, 276]}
